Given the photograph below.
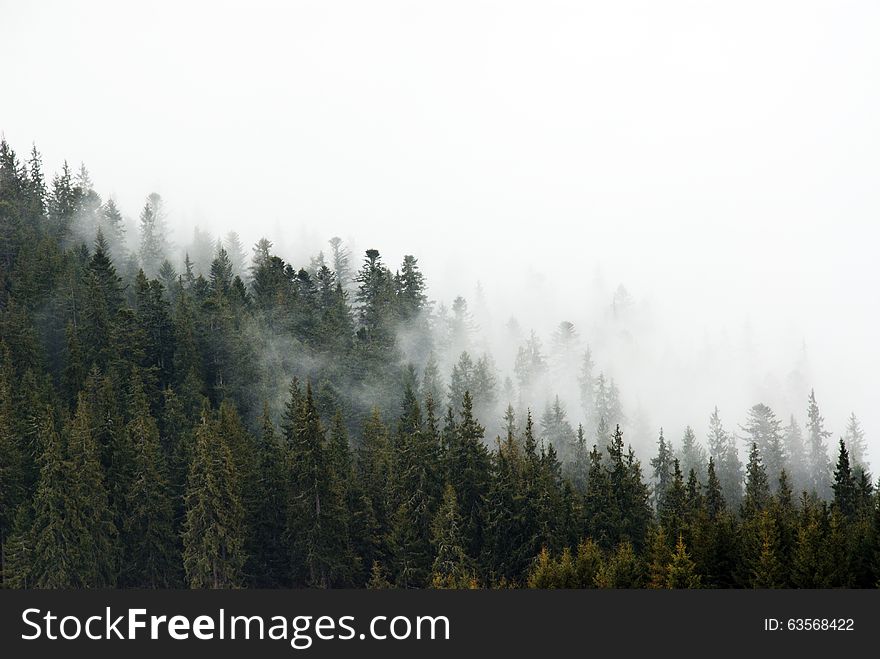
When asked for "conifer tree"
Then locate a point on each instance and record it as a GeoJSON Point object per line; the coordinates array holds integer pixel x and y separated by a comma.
{"type": "Point", "coordinates": [764, 431]}
{"type": "Point", "coordinates": [819, 467]}
{"type": "Point", "coordinates": [12, 484]}
{"type": "Point", "coordinates": [682, 572]}
{"type": "Point", "coordinates": [213, 535]}
{"type": "Point", "coordinates": [757, 494]}
{"type": "Point", "coordinates": [622, 569]}
{"type": "Point", "coordinates": [72, 536]}
{"type": "Point", "coordinates": [766, 567]}
{"type": "Point", "coordinates": [673, 512]}
{"type": "Point", "coordinates": [844, 486]}
{"type": "Point", "coordinates": [715, 504]}
{"type": "Point", "coordinates": [722, 448]}
{"type": "Point", "coordinates": [587, 385]}
{"type": "Point", "coordinates": [693, 456]}
{"type": "Point", "coordinates": [451, 567]}
{"type": "Point", "coordinates": [662, 465]}
{"type": "Point", "coordinates": [854, 438]}
{"type": "Point", "coordinates": [234, 248]}
{"type": "Point", "coordinates": [112, 228]}
{"type": "Point", "coordinates": [150, 556]}
{"type": "Point", "coordinates": [660, 558]}
{"type": "Point", "coordinates": [373, 467]}
{"type": "Point", "coordinates": [556, 431]}
{"type": "Point", "coordinates": [318, 520]}
{"type": "Point", "coordinates": [268, 564]}
{"type": "Point", "coordinates": [340, 262]}
{"type": "Point", "coordinates": [153, 238]}
{"type": "Point", "coordinates": [578, 467]}
{"type": "Point", "coordinates": [468, 463]}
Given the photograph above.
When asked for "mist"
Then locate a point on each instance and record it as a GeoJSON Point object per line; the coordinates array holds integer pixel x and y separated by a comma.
{"type": "Point", "coordinates": [542, 153]}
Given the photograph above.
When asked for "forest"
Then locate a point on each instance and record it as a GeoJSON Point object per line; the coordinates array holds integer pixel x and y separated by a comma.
{"type": "Point", "coordinates": [208, 416]}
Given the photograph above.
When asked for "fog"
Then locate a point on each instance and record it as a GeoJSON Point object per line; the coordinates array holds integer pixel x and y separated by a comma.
{"type": "Point", "coordinates": [719, 160]}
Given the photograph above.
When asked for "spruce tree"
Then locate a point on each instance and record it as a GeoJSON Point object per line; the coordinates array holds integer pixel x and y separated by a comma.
{"type": "Point", "coordinates": [764, 431]}
{"type": "Point", "coordinates": [451, 566]}
{"type": "Point", "coordinates": [318, 521]}
{"type": "Point", "coordinates": [854, 438]}
{"type": "Point", "coordinates": [757, 493]}
{"type": "Point", "coordinates": [213, 534]}
{"type": "Point", "coordinates": [153, 238]}
{"type": "Point", "coordinates": [150, 556]}
{"type": "Point", "coordinates": [662, 466]}
{"type": "Point", "coordinates": [682, 572]}
{"type": "Point", "coordinates": [72, 534]}
{"type": "Point", "coordinates": [844, 486]}
{"type": "Point", "coordinates": [693, 455]}
{"type": "Point", "coordinates": [819, 467]}
{"type": "Point", "coordinates": [722, 448]}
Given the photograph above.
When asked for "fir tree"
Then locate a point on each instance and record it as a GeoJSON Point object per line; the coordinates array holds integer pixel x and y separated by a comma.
{"type": "Point", "coordinates": [662, 466]}
{"type": "Point", "coordinates": [764, 431]}
{"type": "Point", "coordinates": [153, 238]}
{"type": "Point", "coordinates": [451, 567]}
{"type": "Point", "coordinates": [213, 535]}
{"type": "Point", "coordinates": [844, 485]}
{"type": "Point", "coordinates": [681, 572]}
{"type": "Point", "coordinates": [692, 456]}
{"type": "Point", "coordinates": [757, 495]}
{"type": "Point", "coordinates": [819, 467]}
{"type": "Point", "coordinates": [854, 438]}
{"type": "Point", "coordinates": [150, 555]}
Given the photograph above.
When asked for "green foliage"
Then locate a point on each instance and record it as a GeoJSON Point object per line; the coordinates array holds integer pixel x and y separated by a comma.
{"type": "Point", "coordinates": [213, 534]}
{"type": "Point", "coordinates": [146, 439]}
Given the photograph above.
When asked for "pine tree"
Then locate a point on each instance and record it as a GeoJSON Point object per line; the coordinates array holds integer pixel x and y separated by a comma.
{"type": "Point", "coordinates": [12, 483]}
{"type": "Point", "coordinates": [844, 485]}
{"type": "Point", "coordinates": [411, 298]}
{"type": "Point", "coordinates": [764, 431]}
{"type": "Point", "coordinates": [715, 504]}
{"type": "Point", "coordinates": [854, 438]}
{"type": "Point", "coordinates": [817, 452]}
{"type": "Point", "coordinates": [46, 559]}
{"type": "Point", "coordinates": [468, 471]}
{"type": "Point", "coordinates": [234, 248]}
{"type": "Point", "coordinates": [373, 468]}
{"type": "Point", "coordinates": [556, 431]}
{"type": "Point", "coordinates": [598, 514]}
{"type": "Point", "coordinates": [662, 465]}
{"type": "Point", "coordinates": [213, 536]}
{"type": "Point", "coordinates": [587, 384]}
{"type": "Point", "coordinates": [622, 569]}
{"type": "Point", "coordinates": [268, 564]}
{"type": "Point", "coordinates": [340, 262]}
{"type": "Point", "coordinates": [693, 456]}
{"type": "Point", "coordinates": [722, 448]}
{"type": "Point", "coordinates": [153, 238]}
{"type": "Point", "coordinates": [577, 468]}
{"type": "Point", "coordinates": [796, 464]}
{"type": "Point", "coordinates": [766, 567]}
{"type": "Point", "coordinates": [660, 558]}
{"type": "Point", "coordinates": [757, 496]}
{"type": "Point", "coordinates": [682, 572]}
{"type": "Point", "coordinates": [673, 512]}
{"type": "Point", "coordinates": [112, 227]}
{"type": "Point", "coordinates": [150, 559]}
{"type": "Point", "coordinates": [451, 567]}
{"type": "Point", "coordinates": [72, 535]}
{"type": "Point", "coordinates": [318, 520]}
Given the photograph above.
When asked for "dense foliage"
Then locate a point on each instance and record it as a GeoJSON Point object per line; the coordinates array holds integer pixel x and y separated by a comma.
{"type": "Point", "coordinates": [237, 424]}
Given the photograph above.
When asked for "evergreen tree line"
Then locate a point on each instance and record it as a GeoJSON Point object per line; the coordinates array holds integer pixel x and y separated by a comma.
{"type": "Point", "coordinates": [143, 441]}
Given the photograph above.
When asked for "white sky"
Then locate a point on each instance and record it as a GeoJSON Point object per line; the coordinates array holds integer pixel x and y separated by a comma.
{"type": "Point", "coordinates": [721, 159]}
